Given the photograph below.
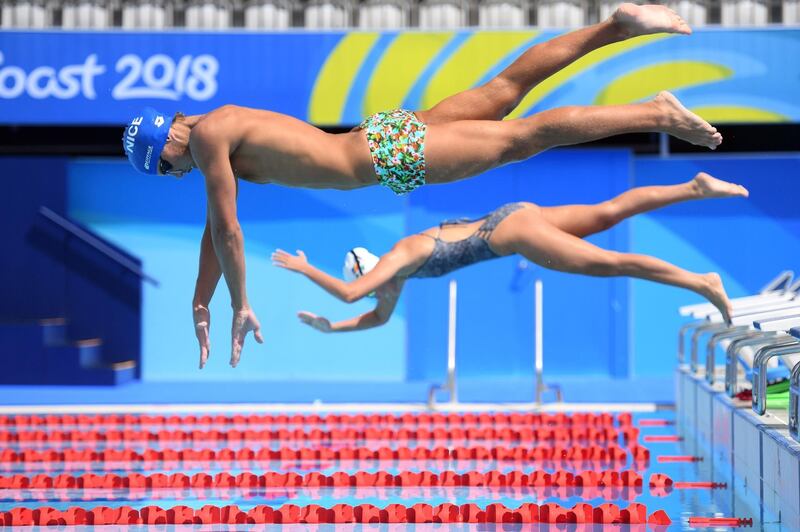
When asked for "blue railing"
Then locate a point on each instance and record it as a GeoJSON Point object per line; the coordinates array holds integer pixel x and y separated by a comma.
{"type": "Point", "coordinates": [96, 243]}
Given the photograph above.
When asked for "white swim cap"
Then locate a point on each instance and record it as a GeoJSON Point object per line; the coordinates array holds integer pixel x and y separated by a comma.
{"type": "Point", "coordinates": [358, 262]}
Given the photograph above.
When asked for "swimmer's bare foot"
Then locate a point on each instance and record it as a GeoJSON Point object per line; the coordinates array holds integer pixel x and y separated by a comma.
{"type": "Point", "coordinates": [715, 293]}
{"type": "Point", "coordinates": [684, 124]}
{"type": "Point", "coordinates": [708, 186]}
{"type": "Point", "coordinates": [636, 20]}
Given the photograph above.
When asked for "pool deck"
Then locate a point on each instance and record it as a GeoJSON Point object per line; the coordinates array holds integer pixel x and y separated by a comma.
{"type": "Point", "coordinates": [584, 389]}
{"type": "Point", "coordinates": [754, 452]}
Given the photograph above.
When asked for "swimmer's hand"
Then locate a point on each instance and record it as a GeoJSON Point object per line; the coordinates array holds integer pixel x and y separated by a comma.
{"type": "Point", "coordinates": [202, 323]}
{"type": "Point", "coordinates": [296, 263]}
{"type": "Point", "coordinates": [244, 321]}
{"type": "Point", "coordinates": [317, 322]}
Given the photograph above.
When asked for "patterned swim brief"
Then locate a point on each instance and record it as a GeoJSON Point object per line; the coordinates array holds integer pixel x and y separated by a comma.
{"type": "Point", "coordinates": [397, 143]}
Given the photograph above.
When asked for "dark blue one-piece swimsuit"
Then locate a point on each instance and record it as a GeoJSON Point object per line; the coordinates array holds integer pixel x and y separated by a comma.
{"type": "Point", "coordinates": [449, 256]}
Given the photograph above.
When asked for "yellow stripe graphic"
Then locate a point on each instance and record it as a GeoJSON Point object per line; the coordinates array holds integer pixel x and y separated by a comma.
{"type": "Point", "coordinates": [336, 78]}
{"type": "Point", "coordinates": [737, 113]}
{"type": "Point", "coordinates": [651, 79]}
{"type": "Point", "coordinates": [400, 67]}
{"type": "Point", "coordinates": [470, 62]}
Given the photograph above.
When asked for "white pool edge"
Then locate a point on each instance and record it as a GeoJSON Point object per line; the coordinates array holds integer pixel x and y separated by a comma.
{"type": "Point", "coordinates": [317, 407]}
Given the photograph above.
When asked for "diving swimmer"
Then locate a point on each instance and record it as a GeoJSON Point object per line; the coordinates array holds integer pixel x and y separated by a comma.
{"type": "Point", "coordinates": [548, 236]}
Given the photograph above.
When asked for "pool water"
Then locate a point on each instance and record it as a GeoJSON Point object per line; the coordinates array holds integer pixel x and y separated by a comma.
{"type": "Point", "coordinates": [62, 493]}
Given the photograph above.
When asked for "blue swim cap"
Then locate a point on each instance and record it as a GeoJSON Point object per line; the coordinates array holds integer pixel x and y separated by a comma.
{"type": "Point", "coordinates": [144, 138]}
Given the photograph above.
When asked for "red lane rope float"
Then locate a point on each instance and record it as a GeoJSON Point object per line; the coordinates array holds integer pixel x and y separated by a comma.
{"type": "Point", "coordinates": [589, 434]}
{"type": "Point", "coordinates": [53, 468]}
{"type": "Point", "coordinates": [704, 522]}
{"type": "Point", "coordinates": [558, 452]}
{"type": "Point", "coordinates": [281, 495]}
{"type": "Point", "coordinates": [653, 438]}
{"type": "Point", "coordinates": [410, 419]}
{"type": "Point", "coordinates": [679, 458]}
{"type": "Point", "coordinates": [315, 479]}
{"type": "Point", "coordinates": [660, 485]}
{"type": "Point", "coordinates": [625, 419]}
{"type": "Point", "coordinates": [639, 453]}
{"type": "Point", "coordinates": [655, 422]}
{"type": "Point", "coordinates": [700, 485]}
{"type": "Point", "coordinates": [658, 480]}
{"type": "Point", "coordinates": [635, 513]}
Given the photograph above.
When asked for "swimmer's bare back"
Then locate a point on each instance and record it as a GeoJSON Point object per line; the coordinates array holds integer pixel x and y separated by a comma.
{"type": "Point", "coordinates": [268, 147]}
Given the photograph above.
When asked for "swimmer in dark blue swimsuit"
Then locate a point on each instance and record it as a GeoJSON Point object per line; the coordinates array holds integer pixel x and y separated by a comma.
{"type": "Point", "coordinates": [548, 236]}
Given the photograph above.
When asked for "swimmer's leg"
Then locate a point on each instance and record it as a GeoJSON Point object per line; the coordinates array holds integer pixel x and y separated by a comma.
{"type": "Point", "coordinates": [585, 220]}
{"type": "Point", "coordinates": [534, 238]}
{"type": "Point", "coordinates": [500, 95]}
{"type": "Point", "coordinates": [457, 150]}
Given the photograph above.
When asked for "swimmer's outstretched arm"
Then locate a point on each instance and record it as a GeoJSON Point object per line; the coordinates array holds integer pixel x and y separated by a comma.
{"type": "Point", "coordinates": [374, 318]}
{"type": "Point", "coordinates": [384, 271]}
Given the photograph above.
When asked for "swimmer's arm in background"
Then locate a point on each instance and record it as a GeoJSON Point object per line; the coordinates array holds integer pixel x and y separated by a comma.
{"type": "Point", "coordinates": [374, 318]}
{"type": "Point", "coordinates": [384, 271]}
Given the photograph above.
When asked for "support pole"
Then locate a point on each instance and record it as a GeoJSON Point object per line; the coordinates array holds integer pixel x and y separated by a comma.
{"type": "Point", "coordinates": [538, 333]}
{"type": "Point", "coordinates": [451, 343]}
{"type": "Point", "coordinates": [538, 346]}
{"type": "Point", "coordinates": [450, 385]}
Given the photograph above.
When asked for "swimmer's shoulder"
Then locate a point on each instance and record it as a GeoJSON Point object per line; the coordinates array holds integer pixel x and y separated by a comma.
{"type": "Point", "coordinates": [221, 116]}
{"type": "Point", "coordinates": [413, 250]}
{"type": "Point", "coordinates": [234, 122]}
{"type": "Point", "coordinates": [222, 126]}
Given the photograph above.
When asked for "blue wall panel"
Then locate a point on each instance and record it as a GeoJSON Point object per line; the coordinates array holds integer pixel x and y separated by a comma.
{"type": "Point", "coordinates": [46, 272]}
{"type": "Point", "coordinates": [31, 277]}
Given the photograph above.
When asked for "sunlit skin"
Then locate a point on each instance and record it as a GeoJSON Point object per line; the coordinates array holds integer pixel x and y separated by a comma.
{"type": "Point", "coordinates": [551, 237]}
{"type": "Point", "coordinates": [466, 135]}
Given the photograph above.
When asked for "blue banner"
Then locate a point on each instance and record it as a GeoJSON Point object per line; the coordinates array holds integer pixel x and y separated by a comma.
{"type": "Point", "coordinates": [104, 78]}
{"type": "Point", "coordinates": [336, 78]}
